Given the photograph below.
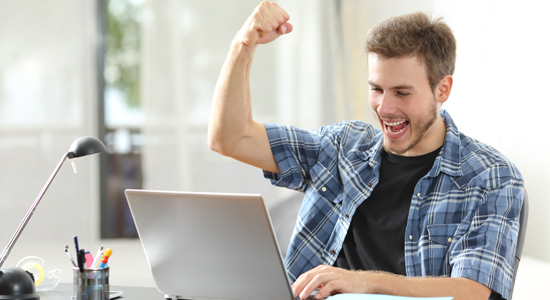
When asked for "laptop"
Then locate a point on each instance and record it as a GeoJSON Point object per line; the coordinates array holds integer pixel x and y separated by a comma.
{"type": "Point", "coordinates": [209, 245]}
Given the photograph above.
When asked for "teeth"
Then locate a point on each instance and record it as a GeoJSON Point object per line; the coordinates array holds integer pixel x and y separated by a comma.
{"type": "Point", "coordinates": [390, 124]}
{"type": "Point", "coordinates": [394, 123]}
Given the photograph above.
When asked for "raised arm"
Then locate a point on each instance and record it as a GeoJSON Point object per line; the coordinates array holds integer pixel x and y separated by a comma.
{"type": "Point", "coordinates": [232, 131]}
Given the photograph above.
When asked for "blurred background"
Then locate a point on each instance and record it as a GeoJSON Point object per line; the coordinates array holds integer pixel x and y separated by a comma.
{"type": "Point", "coordinates": [140, 75]}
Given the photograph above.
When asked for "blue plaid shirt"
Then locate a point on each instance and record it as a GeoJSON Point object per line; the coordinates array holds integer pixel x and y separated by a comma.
{"type": "Point", "coordinates": [464, 215]}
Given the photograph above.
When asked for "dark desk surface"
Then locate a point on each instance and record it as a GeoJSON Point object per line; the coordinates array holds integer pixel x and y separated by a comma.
{"type": "Point", "coordinates": [64, 291]}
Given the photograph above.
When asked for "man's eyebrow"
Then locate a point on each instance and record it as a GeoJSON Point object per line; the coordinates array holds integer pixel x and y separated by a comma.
{"type": "Point", "coordinates": [371, 83]}
{"type": "Point", "coordinates": [397, 87]}
{"type": "Point", "coordinates": [403, 87]}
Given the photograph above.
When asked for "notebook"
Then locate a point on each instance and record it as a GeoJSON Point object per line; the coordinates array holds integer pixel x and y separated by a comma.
{"type": "Point", "coordinates": [209, 245]}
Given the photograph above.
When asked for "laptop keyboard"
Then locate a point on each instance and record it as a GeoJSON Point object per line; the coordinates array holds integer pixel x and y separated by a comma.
{"type": "Point", "coordinates": [311, 297]}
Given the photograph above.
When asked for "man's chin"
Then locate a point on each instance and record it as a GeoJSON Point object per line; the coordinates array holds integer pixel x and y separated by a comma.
{"type": "Point", "coordinates": [395, 148]}
{"type": "Point", "coordinates": [392, 149]}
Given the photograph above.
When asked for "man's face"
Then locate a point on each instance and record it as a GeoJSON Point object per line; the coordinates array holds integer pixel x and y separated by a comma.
{"type": "Point", "coordinates": [405, 105]}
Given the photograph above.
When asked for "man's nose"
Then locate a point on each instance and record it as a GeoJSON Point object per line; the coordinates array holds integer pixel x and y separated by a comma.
{"type": "Point", "coordinates": [386, 105]}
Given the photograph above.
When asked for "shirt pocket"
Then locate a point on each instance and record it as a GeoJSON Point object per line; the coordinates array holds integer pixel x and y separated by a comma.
{"type": "Point", "coordinates": [442, 233]}
{"type": "Point", "coordinates": [441, 237]}
{"type": "Point", "coordinates": [326, 183]}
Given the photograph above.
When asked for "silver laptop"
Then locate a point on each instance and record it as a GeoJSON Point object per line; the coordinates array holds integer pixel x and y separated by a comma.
{"type": "Point", "coordinates": [209, 246]}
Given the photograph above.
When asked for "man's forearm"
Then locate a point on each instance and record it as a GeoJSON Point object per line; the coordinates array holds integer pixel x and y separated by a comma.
{"type": "Point", "coordinates": [458, 288]}
{"type": "Point", "coordinates": [330, 280]}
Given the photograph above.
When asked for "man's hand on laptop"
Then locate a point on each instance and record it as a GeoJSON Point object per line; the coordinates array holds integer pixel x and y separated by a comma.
{"type": "Point", "coordinates": [331, 280]}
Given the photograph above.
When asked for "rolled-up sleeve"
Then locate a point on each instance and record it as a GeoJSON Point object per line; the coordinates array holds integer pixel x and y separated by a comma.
{"type": "Point", "coordinates": [295, 151]}
{"type": "Point", "coordinates": [486, 253]}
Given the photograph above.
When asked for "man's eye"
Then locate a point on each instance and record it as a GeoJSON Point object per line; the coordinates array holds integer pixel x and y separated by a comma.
{"type": "Point", "coordinates": [403, 94]}
{"type": "Point", "coordinates": [375, 89]}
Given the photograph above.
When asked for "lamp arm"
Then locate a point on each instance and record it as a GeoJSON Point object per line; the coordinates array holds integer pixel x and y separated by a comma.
{"type": "Point", "coordinates": [29, 214]}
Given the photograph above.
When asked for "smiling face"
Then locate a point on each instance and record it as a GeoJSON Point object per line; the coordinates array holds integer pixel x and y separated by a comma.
{"type": "Point", "coordinates": [406, 106]}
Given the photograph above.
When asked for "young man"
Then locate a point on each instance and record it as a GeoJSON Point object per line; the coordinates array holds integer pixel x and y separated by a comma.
{"type": "Point", "coordinates": [418, 209]}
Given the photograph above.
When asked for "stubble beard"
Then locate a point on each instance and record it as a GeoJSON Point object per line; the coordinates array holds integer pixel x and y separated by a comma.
{"type": "Point", "coordinates": [419, 131]}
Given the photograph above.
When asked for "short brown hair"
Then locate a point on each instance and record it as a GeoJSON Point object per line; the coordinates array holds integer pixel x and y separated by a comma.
{"type": "Point", "coordinates": [415, 34]}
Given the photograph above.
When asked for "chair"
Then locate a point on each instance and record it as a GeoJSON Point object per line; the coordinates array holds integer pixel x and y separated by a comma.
{"type": "Point", "coordinates": [523, 217]}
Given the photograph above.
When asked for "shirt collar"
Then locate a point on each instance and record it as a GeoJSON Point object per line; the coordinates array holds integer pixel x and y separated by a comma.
{"type": "Point", "coordinates": [369, 152]}
{"type": "Point", "coordinates": [448, 160]}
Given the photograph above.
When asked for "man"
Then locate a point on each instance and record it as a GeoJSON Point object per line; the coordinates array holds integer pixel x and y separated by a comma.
{"type": "Point", "coordinates": [418, 209]}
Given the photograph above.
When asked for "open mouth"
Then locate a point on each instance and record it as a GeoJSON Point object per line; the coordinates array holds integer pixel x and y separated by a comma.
{"type": "Point", "coordinates": [396, 127]}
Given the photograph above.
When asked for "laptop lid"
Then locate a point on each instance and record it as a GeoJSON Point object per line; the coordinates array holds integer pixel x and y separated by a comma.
{"type": "Point", "coordinates": [209, 245]}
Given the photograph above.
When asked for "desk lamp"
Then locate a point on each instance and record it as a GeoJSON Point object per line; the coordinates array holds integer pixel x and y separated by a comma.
{"type": "Point", "coordinates": [16, 284]}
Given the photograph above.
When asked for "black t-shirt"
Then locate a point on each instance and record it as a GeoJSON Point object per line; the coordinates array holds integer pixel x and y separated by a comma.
{"type": "Point", "coordinates": [376, 237]}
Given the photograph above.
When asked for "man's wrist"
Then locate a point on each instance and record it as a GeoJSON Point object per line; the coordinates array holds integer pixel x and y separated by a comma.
{"type": "Point", "coordinates": [378, 282]}
{"type": "Point", "coordinates": [238, 47]}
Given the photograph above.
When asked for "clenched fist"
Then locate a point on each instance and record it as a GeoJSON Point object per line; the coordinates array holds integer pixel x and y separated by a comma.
{"type": "Point", "coordinates": [267, 22]}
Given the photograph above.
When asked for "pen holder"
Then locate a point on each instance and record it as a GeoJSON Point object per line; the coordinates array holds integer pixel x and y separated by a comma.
{"type": "Point", "coordinates": [91, 284]}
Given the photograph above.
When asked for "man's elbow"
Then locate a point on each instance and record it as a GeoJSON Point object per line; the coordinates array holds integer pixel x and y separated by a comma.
{"type": "Point", "coordinates": [218, 144]}
{"type": "Point", "coordinates": [214, 144]}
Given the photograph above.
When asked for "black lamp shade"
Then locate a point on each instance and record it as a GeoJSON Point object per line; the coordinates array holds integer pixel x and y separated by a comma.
{"type": "Point", "coordinates": [85, 146]}
{"type": "Point", "coordinates": [16, 284]}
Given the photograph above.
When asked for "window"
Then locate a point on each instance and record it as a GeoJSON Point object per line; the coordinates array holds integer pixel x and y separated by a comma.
{"type": "Point", "coordinates": [122, 116]}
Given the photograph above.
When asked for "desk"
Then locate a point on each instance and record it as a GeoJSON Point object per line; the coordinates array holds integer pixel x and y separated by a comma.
{"type": "Point", "coordinates": [64, 291]}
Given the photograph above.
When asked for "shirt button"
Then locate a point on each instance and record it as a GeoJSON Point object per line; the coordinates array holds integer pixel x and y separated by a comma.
{"type": "Point", "coordinates": [324, 189]}
{"type": "Point", "coordinates": [369, 184]}
{"type": "Point", "coordinates": [332, 252]}
{"type": "Point", "coordinates": [418, 195]}
{"type": "Point", "coordinates": [450, 240]}
{"type": "Point", "coordinates": [346, 216]}
{"type": "Point", "coordinates": [410, 237]}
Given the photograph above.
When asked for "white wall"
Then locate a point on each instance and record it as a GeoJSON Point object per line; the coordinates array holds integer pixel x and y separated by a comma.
{"type": "Point", "coordinates": [499, 94]}
{"type": "Point", "coordinates": [48, 97]}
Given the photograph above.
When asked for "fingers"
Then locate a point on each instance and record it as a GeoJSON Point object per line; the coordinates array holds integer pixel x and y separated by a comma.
{"type": "Point", "coordinates": [278, 13]}
{"type": "Point", "coordinates": [329, 280]}
{"type": "Point", "coordinates": [285, 28]}
{"type": "Point", "coordinates": [264, 25]}
{"type": "Point", "coordinates": [270, 17]}
{"type": "Point", "coordinates": [331, 288]}
{"type": "Point", "coordinates": [314, 279]}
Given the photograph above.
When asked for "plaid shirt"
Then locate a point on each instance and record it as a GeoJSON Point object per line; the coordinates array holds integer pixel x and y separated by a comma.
{"type": "Point", "coordinates": [464, 215]}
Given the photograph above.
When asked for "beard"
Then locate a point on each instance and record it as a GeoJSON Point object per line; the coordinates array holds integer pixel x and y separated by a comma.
{"type": "Point", "coordinates": [419, 130]}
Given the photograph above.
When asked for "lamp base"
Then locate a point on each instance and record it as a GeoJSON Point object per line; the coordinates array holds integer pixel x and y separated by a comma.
{"type": "Point", "coordinates": [16, 284]}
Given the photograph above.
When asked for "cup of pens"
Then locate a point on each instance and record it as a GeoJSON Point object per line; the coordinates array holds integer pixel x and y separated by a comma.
{"type": "Point", "coordinates": [91, 284]}
{"type": "Point", "coordinates": [90, 276]}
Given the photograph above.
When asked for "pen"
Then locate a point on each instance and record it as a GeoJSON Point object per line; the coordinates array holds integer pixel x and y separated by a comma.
{"type": "Point", "coordinates": [107, 253]}
{"type": "Point", "coordinates": [76, 245]}
{"type": "Point", "coordinates": [97, 257]}
{"type": "Point", "coordinates": [70, 257]}
{"type": "Point", "coordinates": [80, 260]}
{"type": "Point", "coordinates": [105, 259]}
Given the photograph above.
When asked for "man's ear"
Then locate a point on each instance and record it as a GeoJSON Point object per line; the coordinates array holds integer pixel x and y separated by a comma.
{"type": "Point", "coordinates": [443, 89]}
